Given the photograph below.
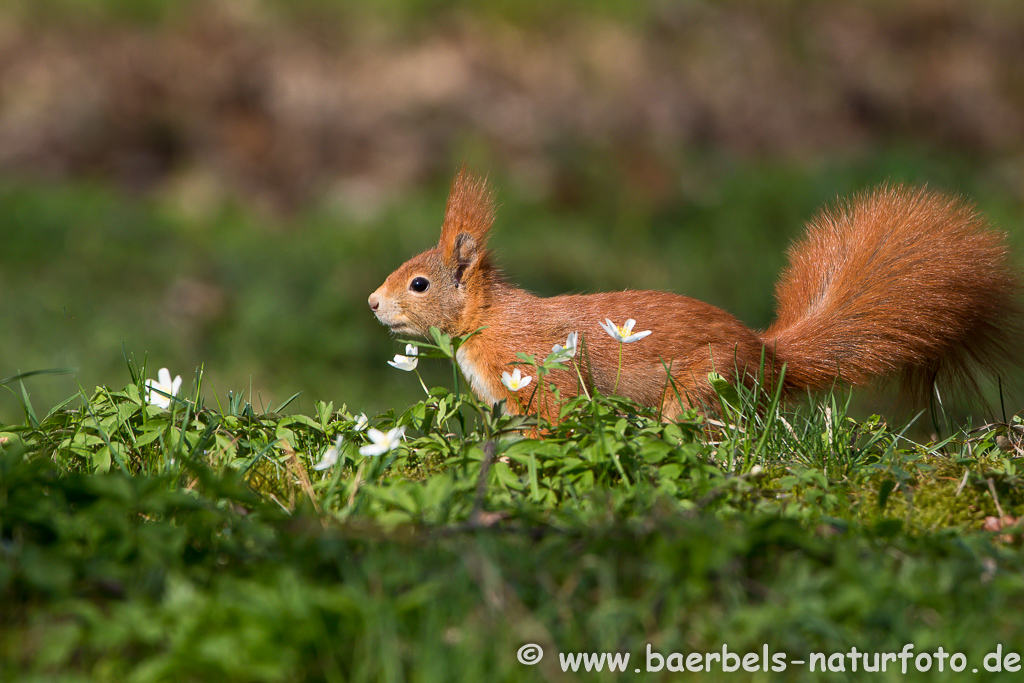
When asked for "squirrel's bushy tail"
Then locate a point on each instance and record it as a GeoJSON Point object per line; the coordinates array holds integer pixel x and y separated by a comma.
{"type": "Point", "coordinates": [901, 283]}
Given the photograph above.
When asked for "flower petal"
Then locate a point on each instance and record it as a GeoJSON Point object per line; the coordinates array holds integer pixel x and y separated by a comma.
{"type": "Point", "coordinates": [404, 363]}
{"type": "Point", "coordinates": [394, 437]}
{"type": "Point", "coordinates": [382, 443]}
{"type": "Point", "coordinates": [637, 336]}
{"type": "Point", "coordinates": [329, 460]}
{"type": "Point", "coordinates": [152, 395]}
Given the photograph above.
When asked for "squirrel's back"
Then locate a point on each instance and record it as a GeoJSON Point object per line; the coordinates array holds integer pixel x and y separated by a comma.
{"type": "Point", "coordinates": [898, 282]}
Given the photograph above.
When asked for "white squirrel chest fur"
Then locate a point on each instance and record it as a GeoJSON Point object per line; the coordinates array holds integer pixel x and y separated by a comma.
{"type": "Point", "coordinates": [476, 379]}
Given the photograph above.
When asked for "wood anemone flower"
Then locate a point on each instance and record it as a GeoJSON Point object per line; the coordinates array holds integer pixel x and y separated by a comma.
{"type": "Point", "coordinates": [382, 443]}
{"type": "Point", "coordinates": [409, 361]}
{"type": "Point", "coordinates": [330, 455]}
{"type": "Point", "coordinates": [625, 333]}
{"type": "Point", "coordinates": [160, 390]}
{"type": "Point", "coordinates": [516, 380]}
{"type": "Point", "coordinates": [561, 353]}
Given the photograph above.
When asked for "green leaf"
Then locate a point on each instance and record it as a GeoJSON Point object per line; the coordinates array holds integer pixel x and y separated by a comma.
{"type": "Point", "coordinates": [507, 477]}
{"type": "Point", "coordinates": [443, 342]}
{"type": "Point", "coordinates": [726, 392]}
{"type": "Point", "coordinates": [655, 451]}
{"type": "Point", "coordinates": [305, 420]}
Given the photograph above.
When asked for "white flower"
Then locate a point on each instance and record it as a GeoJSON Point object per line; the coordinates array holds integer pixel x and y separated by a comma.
{"type": "Point", "coordinates": [162, 383]}
{"type": "Point", "coordinates": [516, 380]}
{"type": "Point", "coordinates": [561, 353]}
{"type": "Point", "coordinates": [361, 421]}
{"type": "Point", "coordinates": [407, 362]}
{"type": "Point", "coordinates": [330, 456]}
{"type": "Point", "coordinates": [382, 443]}
{"type": "Point", "coordinates": [625, 333]}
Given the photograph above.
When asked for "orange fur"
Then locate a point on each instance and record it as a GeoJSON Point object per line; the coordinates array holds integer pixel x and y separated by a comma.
{"type": "Point", "coordinates": [899, 283]}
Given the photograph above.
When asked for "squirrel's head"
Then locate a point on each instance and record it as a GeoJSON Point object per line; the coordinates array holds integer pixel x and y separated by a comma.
{"type": "Point", "coordinates": [445, 286]}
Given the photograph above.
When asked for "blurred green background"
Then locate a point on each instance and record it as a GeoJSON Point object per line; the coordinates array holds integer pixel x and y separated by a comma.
{"type": "Point", "coordinates": [223, 183]}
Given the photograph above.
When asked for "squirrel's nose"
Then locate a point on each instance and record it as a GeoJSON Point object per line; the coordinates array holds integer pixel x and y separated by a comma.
{"type": "Point", "coordinates": [374, 301]}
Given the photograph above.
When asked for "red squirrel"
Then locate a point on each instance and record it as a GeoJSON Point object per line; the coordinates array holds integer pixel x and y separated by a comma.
{"type": "Point", "coordinates": [900, 283]}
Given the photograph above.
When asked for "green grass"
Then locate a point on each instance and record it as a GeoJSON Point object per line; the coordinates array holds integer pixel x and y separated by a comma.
{"type": "Point", "coordinates": [199, 543]}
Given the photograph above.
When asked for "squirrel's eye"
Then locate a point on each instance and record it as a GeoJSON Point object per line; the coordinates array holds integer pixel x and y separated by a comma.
{"type": "Point", "coordinates": [419, 284]}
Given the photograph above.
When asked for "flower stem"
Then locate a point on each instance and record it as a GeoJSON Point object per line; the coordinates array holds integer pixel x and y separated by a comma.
{"type": "Point", "coordinates": [618, 370]}
{"type": "Point", "coordinates": [579, 375]}
{"type": "Point", "coordinates": [422, 383]}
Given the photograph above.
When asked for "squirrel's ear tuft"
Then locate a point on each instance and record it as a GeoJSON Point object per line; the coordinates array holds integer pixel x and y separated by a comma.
{"type": "Point", "coordinates": [466, 255]}
{"type": "Point", "coordinates": [470, 212]}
